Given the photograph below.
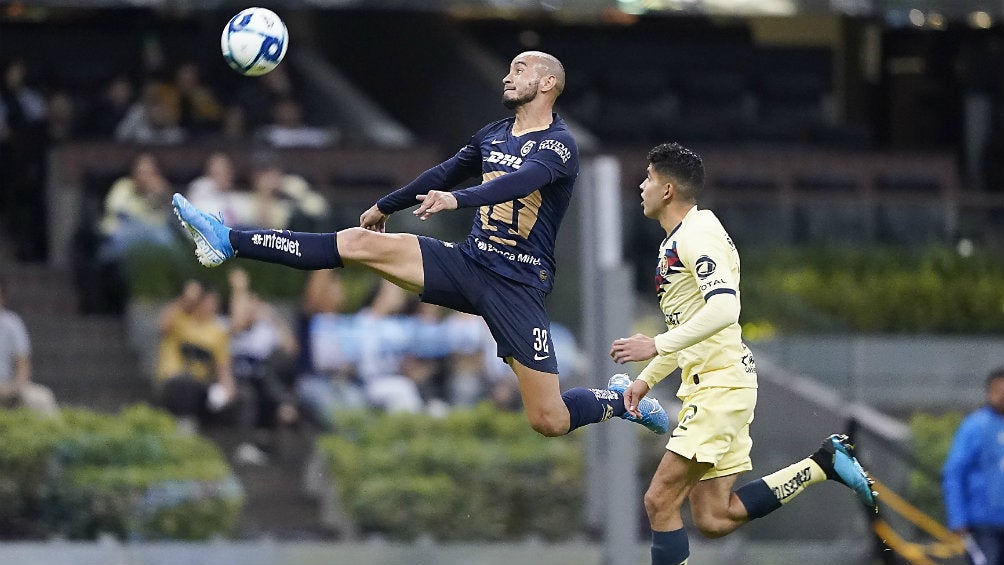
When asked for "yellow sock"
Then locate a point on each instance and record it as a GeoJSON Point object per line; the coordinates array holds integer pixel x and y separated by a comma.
{"type": "Point", "coordinates": [789, 482]}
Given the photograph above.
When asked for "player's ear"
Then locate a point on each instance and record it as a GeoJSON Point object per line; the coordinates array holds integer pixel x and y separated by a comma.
{"type": "Point", "coordinates": [548, 83]}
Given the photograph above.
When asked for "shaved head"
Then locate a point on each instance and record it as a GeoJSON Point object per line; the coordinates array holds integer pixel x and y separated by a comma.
{"type": "Point", "coordinates": [549, 65]}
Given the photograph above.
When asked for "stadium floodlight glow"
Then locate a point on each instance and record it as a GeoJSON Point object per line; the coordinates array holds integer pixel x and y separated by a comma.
{"type": "Point", "coordinates": [980, 20]}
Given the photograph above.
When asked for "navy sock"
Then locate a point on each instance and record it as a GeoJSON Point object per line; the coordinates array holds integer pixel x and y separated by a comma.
{"type": "Point", "coordinates": [591, 405]}
{"type": "Point", "coordinates": [670, 548]}
{"type": "Point", "coordinates": [307, 251]}
{"type": "Point", "coordinates": [758, 498]}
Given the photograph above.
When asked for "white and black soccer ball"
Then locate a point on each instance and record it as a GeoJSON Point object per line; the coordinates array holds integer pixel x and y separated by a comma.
{"type": "Point", "coordinates": [254, 41]}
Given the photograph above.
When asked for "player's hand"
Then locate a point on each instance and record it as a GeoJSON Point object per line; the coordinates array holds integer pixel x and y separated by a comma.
{"type": "Point", "coordinates": [633, 395]}
{"type": "Point", "coordinates": [373, 220]}
{"type": "Point", "coordinates": [638, 347]}
{"type": "Point", "coordinates": [435, 201]}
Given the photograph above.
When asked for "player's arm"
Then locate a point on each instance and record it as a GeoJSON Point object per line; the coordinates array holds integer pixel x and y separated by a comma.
{"type": "Point", "coordinates": [510, 186]}
{"type": "Point", "coordinates": [443, 176]}
{"type": "Point", "coordinates": [720, 311]}
{"type": "Point", "coordinates": [555, 158]}
{"type": "Point", "coordinates": [447, 174]}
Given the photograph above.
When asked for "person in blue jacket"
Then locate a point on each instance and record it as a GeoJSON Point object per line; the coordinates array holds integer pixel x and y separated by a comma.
{"type": "Point", "coordinates": [973, 478]}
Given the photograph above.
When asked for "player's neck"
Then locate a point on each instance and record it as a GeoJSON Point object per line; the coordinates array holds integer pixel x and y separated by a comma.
{"type": "Point", "coordinates": [532, 117]}
{"type": "Point", "coordinates": [673, 214]}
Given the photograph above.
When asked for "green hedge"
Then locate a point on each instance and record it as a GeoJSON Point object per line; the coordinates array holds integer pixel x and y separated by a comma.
{"type": "Point", "coordinates": [873, 290]}
{"type": "Point", "coordinates": [476, 474]}
{"type": "Point", "coordinates": [132, 475]}
{"type": "Point", "coordinates": [789, 290]}
{"type": "Point", "coordinates": [932, 436]}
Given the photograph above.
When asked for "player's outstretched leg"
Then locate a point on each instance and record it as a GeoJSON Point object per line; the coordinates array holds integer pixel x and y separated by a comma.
{"type": "Point", "coordinates": [653, 416]}
{"type": "Point", "coordinates": [212, 238]}
{"type": "Point", "coordinates": [836, 458]}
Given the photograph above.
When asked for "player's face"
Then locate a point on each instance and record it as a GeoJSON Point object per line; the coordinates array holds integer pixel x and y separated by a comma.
{"type": "Point", "coordinates": [653, 193]}
{"type": "Point", "coordinates": [520, 85]}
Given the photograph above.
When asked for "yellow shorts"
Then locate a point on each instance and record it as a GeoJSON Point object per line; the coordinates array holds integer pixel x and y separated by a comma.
{"type": "Point", "coordinates": [714, 427]}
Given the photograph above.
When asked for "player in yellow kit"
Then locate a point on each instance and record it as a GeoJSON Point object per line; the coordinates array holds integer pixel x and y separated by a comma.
{"type": "Point", "coordinates": [697, 283]}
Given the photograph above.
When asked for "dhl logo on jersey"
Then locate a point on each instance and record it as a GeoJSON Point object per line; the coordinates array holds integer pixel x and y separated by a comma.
{"type": "Point", "coordinates": [504, 159]}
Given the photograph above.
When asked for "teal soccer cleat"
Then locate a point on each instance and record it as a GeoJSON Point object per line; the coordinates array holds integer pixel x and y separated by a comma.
{"type": "Point", "coordinates": [212, 238]}
{"type": "Point", "coordinates": [836, 459]}
{"type": "Point", "coordinates": [653, 416]}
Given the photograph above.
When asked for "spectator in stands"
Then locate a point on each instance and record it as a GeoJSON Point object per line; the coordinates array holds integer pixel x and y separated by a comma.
{"type": "Point", "coordinates": [22, 103]}
{"type": "Point", "coordinates": [287, 128]}
{"type": "Point", "coordinates": [137, 209]}
{"type": "Point", "coordinates": [23, 151]}
{"type": "Point", "coordinates": [384, 336]}
{"type": "Point", "coordinates": [327, 379]}
{"type": "Point", "coordinates": [282, 200]}
{"type": "Point", "coordinates": [111, 108]}
{"type": "Point", "coordinates": [973, 478]}
{"type": "Point", "coordinates": [216, 190]}
{"type": "Point", "coordinates": [62, 113]}
{"type": "Point", "coordinates": [475, 370]}
{"type": "Point", "coordinates": [263, 351]}
{"type": "Point", "coordinates": [258, 96]}
{"type": "Point", "coordinates": [16, 386]}
{"type": "Point", "coordinates": [194, 380]}
{"type": "Point", "coordinates": [154, 118]}
{"type": "Point", "coordinates": [234, 126]}
{"type": "Point", "coordinates": [199, 110]}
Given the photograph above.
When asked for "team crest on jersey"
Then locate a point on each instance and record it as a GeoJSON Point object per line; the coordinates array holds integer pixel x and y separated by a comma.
{"type": "Point", "coordinates": [669, 263]}
{"type": "Point", "coordinates": [705, 267]}
{"type": "Point", "coordinates": [526, 148]}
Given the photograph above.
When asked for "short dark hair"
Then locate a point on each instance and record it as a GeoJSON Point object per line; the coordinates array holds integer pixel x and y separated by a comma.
{"type": "Point", "coordinates": [680, 164]}
{"type": "Point", "coordinates": [997, 373]}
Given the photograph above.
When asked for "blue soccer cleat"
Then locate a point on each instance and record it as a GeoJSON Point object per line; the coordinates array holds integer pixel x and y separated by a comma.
{"type": "Point", "coordinates": [836, 459]}
{"type": "Point", "coordinates": [653, 416]}
{"type": "Point", "coordinates": [212, 238]}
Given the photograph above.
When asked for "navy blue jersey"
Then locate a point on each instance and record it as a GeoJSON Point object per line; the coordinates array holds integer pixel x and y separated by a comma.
{"type": "Point", "coordinates": [526, 185]}
{"type": "Point", "coordinates": [515, 238]}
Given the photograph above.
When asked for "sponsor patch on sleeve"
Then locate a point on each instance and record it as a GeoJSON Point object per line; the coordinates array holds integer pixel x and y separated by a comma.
{"type": "Point", "coordinates": [556, 146]}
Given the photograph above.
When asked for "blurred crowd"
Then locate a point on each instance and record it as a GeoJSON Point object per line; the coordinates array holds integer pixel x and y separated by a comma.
{"type": "Point", "coordinates": [246, 364]}
{"type": "Point", "coordinates": [162, 103]}
{"type": "Point", "coordinates": [136, 214]}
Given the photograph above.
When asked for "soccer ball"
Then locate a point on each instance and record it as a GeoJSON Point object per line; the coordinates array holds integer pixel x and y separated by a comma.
{"type": "Point", "coordinates": [254, 41]}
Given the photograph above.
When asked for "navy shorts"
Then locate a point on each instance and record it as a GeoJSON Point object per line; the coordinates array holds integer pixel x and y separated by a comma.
{"type": "Point", "coordinates": [514, 312]}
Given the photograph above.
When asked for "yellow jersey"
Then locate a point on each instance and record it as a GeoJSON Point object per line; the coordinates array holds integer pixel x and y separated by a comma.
{"type": "Point", "coordinates": [698, 260]}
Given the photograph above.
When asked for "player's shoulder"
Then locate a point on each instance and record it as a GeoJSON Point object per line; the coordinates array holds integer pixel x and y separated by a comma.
{"type": "Point", "coordinates": [559, 140]}
{"type": "Point", "coordinates": [559, 130]}
{"type": "Point", "coordinates": [498, 125]}
{"type": "Point", "coordinates": [702, 219]}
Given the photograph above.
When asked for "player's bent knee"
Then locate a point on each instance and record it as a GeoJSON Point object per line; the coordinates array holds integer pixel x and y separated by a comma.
{"type": "Point", "coordinates": [355, 243]}
{"type": "Point", "coordinates": [546, 426]}
{"type": "Point", "coordinates": [653, 502]}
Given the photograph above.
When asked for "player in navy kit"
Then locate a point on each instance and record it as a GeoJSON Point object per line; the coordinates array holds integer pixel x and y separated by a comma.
{"type": "Point", "coordinates": [505, 268]}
